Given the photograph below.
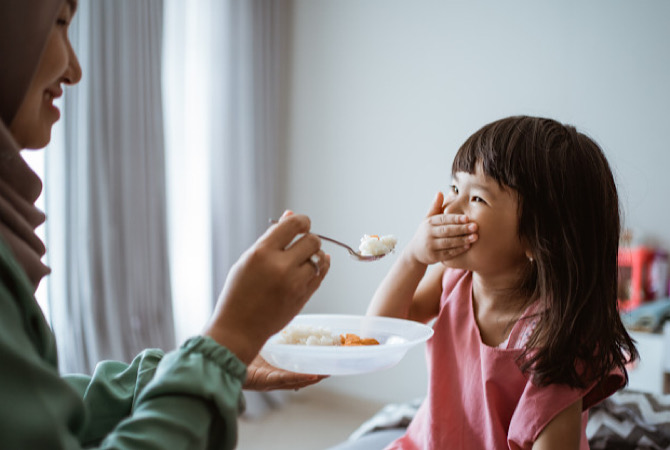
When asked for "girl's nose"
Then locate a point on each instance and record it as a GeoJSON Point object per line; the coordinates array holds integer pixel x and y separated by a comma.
{"type": "Point", "coordinates": [454, 206]}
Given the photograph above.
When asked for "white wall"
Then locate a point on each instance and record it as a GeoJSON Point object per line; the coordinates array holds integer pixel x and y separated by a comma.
{"type": "Point", "coordinates": [383, 92]}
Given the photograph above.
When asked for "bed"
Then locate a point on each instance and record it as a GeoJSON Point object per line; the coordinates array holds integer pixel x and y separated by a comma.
{"type": "Point", "coordinates": [628, 420]}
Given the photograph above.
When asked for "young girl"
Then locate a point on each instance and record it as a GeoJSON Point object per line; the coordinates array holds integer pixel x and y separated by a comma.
{"type": "Point", "coordinates": [527, 336]}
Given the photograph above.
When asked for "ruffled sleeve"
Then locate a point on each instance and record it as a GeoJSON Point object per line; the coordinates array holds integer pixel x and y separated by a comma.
{"type": "Point", "coordinates": [539, 405]}
{"type": "Point", "coordinates": [189, 398]}
{"type": "Point", "coordinates": [191, 401]}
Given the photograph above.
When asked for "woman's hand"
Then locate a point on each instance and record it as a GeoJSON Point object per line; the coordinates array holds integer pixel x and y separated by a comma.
{"type": "Point", "coordinates": [268, 286]}
{"type": "Point", "coordinates": [261, 376]}
{"type": "Point", "coordinates": [441, 236]}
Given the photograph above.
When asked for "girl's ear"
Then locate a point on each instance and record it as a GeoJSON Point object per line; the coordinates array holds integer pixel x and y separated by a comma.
{"type": "Point", "coordinates": [529, 255]}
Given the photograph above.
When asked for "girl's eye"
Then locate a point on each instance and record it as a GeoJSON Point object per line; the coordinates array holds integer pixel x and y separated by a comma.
{"type": "Point", "coordinates": [453, 189]}
{"type": "Point", "coordinates": [478, 199]}
{"type": "Point", "coordinates": [61, 22]}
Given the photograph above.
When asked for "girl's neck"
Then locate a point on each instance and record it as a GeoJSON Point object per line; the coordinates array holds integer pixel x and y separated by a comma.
{"type": "Point", "coordinates": [497, 306]}
{"type": "Point", "coordinates": [498, 294]}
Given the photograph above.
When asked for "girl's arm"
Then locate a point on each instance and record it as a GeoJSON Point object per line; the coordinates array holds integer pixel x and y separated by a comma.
{"type": "Point", "coordinates": [405, 292]}
{"type": "Point", "coordinates": [564, 431]}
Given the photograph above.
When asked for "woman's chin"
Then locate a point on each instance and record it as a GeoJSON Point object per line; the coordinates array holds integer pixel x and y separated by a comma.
{"type": "Point", "coordinates": [37, 141]}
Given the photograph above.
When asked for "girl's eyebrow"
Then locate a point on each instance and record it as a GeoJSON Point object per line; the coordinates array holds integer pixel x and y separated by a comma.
{"type": "Point", "coordinates": [479, 186]}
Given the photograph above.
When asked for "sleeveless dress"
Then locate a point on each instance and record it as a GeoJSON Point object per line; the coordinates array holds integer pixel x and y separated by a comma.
{"type": "Point", "coordinates": [478, 397]}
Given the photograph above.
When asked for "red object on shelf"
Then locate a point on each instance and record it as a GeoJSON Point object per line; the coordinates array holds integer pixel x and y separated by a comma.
{"type": "Point", "coordinates": [634, 271]}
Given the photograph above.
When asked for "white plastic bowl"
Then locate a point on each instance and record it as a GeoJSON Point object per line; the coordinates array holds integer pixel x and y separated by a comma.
{"type": "Point", "coordinates": [395, 337]}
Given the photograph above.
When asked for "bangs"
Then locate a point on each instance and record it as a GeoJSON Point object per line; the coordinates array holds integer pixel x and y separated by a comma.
{"type": "Point", "coordinates": [494, 149]}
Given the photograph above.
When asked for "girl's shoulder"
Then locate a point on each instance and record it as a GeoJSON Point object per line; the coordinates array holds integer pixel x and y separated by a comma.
{"type": "Point", "coordinates": [452, 277]}
{"type": "Point", "coordinates": [456, 283]}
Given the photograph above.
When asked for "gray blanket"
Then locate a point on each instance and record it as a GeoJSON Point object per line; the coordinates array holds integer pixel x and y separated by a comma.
{"type": "Point", "coordinates": [628, 420]}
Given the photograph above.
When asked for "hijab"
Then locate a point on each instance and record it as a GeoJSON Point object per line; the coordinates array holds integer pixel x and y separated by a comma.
{"type": "Point", "coordinates": [24, 28]}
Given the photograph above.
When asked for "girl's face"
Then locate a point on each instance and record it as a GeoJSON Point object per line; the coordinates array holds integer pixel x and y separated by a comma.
{"type": "Point", "coordinates": [31, 126]}
{"type": "Point", "coordinates": [498, 250]}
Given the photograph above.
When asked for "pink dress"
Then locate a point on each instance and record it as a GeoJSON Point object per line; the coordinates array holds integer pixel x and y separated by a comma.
{"type": "Point", "coordinates": [478, 397]}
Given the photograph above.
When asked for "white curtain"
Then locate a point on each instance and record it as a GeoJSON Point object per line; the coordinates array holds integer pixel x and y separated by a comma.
{"type": "Point", "coordinates": [110, 291]}
{"type": "Point", "coordinates": [224, 79]}
{"type": "Point", "coordinates": [247, 112]}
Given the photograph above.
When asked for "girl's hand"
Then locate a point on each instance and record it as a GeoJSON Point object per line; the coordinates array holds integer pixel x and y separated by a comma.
{"type": "Point", "coordinates": [440, 236]}
{"type": "Point", "coordinates": [261, 376]}
{"type": "Point", "coordinates": [268, 286]}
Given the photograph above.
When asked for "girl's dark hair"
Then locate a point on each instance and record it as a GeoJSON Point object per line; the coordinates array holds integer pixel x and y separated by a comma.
{"type": "Point", "coordinates": [569, 218]}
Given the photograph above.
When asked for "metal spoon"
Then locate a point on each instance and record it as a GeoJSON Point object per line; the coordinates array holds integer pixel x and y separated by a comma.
{"type": "Point", "coordinates": [352, 252]}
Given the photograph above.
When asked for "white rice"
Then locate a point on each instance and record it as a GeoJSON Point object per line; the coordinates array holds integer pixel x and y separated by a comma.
{"type": "Point", "coordinates": [374, 246]}
{"type": "Point", "coordinates": [308, 335]}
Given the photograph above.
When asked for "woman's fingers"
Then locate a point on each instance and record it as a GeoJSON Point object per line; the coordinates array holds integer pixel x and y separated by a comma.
{"type": "Point", "coordinates": [304, 252]}
{"type": "Point", "coordinates": [261, 376]}
{"type": "Point", "coordinates": [283, 236]}
{"type": "Point", "coordinates": [304, 247]}
{"type": "Point", "coordinates": [316, 266]}
{"type": "Point", "coordinates": [279, 236]}
{"type": "Point", "coordinates": [317, 277]}
{"type": "Point", "coordinates": [315, 263]}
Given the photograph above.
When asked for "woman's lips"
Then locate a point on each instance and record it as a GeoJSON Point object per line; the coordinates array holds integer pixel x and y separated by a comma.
{"type": "Point", "coordinates": [55, 92]}
{"type": "Point", "coordinates": [49, 96]}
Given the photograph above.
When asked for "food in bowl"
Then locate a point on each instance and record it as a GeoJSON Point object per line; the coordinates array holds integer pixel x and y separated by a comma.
{"type": "Point", "coordinates": [308, 335]}
{"type": "Point", "coordinates": [396, 337]}
{"type": "Point", "coordinates": [374, 245]}
{"type": "Point", "coordinates": [311, 335]}
{"type": "Point", "coordinates": [351, 339]}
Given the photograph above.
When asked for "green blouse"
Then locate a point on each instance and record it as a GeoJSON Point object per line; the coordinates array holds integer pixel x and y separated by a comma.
{"type": "Point", "coordinates": [186, 399]}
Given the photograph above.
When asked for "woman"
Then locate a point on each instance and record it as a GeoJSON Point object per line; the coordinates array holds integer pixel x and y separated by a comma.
{"type": "Point", "coordinates": [188, 398]}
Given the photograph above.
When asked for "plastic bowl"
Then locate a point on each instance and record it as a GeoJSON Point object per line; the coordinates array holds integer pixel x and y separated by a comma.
{"type": "Point", "coordinates": [395, 337]}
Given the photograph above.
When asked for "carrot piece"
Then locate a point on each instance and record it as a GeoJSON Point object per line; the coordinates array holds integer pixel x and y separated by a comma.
{"type": "Point", "coordinates": [351, 339]}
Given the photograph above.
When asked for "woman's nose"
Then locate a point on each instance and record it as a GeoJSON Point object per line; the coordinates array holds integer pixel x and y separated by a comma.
{"type": "Point", "coordinates": [73, 73]}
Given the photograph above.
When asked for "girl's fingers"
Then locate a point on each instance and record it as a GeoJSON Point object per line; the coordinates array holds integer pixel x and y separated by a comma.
{"type": "Point", "coordinates": [448, 219]}
{"type": "Point", "coordinates": [444, 255]}
{"type": "Point", "coordinates": [454, 242]}
{"type": "Point", "coordinates": [452, 231]}
{"type": "Point", "coordinates": [436, 207]}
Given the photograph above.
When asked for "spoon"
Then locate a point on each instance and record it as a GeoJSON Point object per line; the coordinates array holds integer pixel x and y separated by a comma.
{"type": "Point", "coordinates": [352, 252]}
